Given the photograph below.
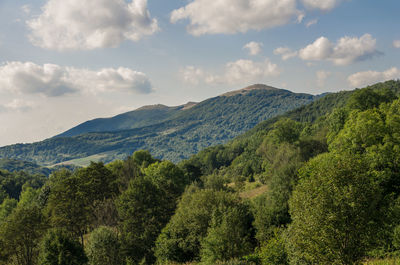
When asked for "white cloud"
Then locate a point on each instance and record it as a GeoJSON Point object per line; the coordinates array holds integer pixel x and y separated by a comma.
{"type": "Point", "coordinates": [233, 16]}
{"type": "Point", "coordinates": [238, 72]}
{"type": "Point", "coordinates": [321, 78]}
{"type": "Point", "coordinates": [247, 70]}
{"type": "Point", "coordinates": [396, 44]}
{"type": "Point", "coordinates": [253, 47]}
{"type": "Point", "coordinates": [54, 80]}
{"type": "Point", "coordinates": [192, 75]}
{"type": "Point", "coordinates": [90, 24]}
{"type": "Point", "coordinates": [311, 22]}
{"type": "Point", "coordinates": [26, 9]}
{"type": "Point", "coordinates": [362, 79]}
{"type": "Point", "coordinates": [347, 50]}
{"type": "Point", "coordinates": [324, 5]}
{"type": "Point", "coordinates": [285, 53]}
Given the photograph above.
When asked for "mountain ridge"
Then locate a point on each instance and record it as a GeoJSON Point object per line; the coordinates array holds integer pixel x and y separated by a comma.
{"type": "Point", "coordinates": [167, 132]}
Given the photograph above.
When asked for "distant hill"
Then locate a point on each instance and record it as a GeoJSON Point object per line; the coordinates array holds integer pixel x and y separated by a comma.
{"type": "Point", "coordinates": [144, 116]}
{"type": "Point", "coordinates": [172, 133]}
{"type": "Point", "coordinates": [13, 165]}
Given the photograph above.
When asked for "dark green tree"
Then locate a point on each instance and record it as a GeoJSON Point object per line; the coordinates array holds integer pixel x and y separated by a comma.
{"type": "Point", "coordinates": [20, 234]}
{"type": "Point", "coordinates": [146, 206]}
{"type": "Point", "coordinates": [59, 248]}
{"type": "Point", "coordinates": [229, 235]}
{"type": "Point", "coordinates": [181, 240]}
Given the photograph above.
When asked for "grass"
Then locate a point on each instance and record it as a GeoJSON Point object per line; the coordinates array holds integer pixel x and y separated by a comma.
{"type": "Point", "coordinates": [252, 193]}
{"type": "Point", "coordinates": [85, 161]}
{"type": "Point", "coordinates": [386, 261]}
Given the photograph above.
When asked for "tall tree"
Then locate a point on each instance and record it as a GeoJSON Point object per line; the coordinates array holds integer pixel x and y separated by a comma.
{"type": "Point", "coordinates": [59, 248]}
{"type": "Point", "coordinates": [20, 234]}
{"type": "Point", "coordinates": [335, 210]}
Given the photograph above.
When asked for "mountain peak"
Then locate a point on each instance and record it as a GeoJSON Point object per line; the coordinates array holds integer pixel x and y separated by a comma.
{"type": "Point", "coordinates": [189, 105]}
{"type": "Point", "coordinates": [249, 88]}
{"type": "Point", "coordinates": [151, 107]}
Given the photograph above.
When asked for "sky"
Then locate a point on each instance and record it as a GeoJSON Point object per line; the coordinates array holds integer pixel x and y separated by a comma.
{"type": "Point", "coordinates": [63, 62]}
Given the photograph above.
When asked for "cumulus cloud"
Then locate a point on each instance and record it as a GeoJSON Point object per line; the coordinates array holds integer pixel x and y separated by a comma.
{"type": "Point", "coordinates": [396, 44]}
{"type": "Point", "coordinates": [285, 53]}
{"type": "Point", "coordinates": [233, 16]}
{"type": "Point", "coordinates": [53, 80]}
{"type": "Point", "coordinates": [362, 79]}
{"type": "Point", "coordinates": [90, 24]}
{"type": "Point", "coordinates": [347, 50]}
{"type": "Point", "coordinates": [192, 75]}
{"type": "Point", "coordinates": [321, 78]}
{"type": "Point", "coordinates": [324, 5]}
{"type": "Point", "coordinates": [253, 47]}
{"type": "Point", "coordinates": [238, 72]}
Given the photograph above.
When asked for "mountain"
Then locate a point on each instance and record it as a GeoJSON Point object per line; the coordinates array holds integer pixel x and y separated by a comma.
{"type": "Point", "coordinates": [241, 156]}
{"type": "Point", "coordinates": [172, 133]}
{"type": "Point", "coordinates": [144, 116]}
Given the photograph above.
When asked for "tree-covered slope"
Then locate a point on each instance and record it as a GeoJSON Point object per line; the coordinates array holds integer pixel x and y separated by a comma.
{"type": "Point", "coordinates": [13, 165]}
{"type": "Point", "coordinates": [211, 122]}
{"type": "Point", "coordinates": [145, 116]}
{"type": "Point", "coordinates": [241, 156]}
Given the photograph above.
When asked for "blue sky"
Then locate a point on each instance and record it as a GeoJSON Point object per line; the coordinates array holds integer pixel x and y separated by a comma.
{"type": "Point", "coordinates": [63, 62]}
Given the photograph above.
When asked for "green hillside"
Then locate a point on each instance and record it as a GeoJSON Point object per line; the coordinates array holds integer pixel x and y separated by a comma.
{"type": "Point", "coordinates": [189, 130]}
{"type": "Point", "coordinates": [13, 165]}
{"type": "Point", "coordinates": [241, 156]}
{"type": "Point", "coordinates": [316, 185]}
{"type": "Point", "coordinates": [145, 116]}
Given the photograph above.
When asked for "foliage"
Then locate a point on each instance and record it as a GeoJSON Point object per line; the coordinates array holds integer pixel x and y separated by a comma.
{"type": "Point", "coordinates": [181, 240]}
{"type": "Point", "coordinates": [20, 233]}
{"type": "Point", "coordinates": [228, 236]}
{"type": "Point", "coordinates": [104, 247]}
{"type": "Point", "coordinates": [274, 251]}
{"type": "Point", "coordinates": [59, 248]}
{"type": "Point", "coordinates": [335, 211]}
{"type": "Point", "coordinates": [146, 206]}
{"type": "Point", "coordinates": [11, 184]}
{"type": "Point", "coordinates": [13, 165]}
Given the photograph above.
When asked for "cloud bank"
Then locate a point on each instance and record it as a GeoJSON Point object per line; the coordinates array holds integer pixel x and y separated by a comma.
{"type": "Point", "coordinates": [90, 24]}
{"type": "Point", "coordinates": [53, 80]}
{"type": "Point", "coordinates": [285, 53]}
{"type": "Point", "coordinates": [237, 72]}
{"type": "Point", "coordinates": [362, 79]}
{"type": "Point", "coordinates": [233, 16]}
{"type": "Point", "coordinates": [345, 51]}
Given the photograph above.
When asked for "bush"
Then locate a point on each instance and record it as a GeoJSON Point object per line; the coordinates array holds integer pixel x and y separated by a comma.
{"type": "Point", "coordinates": [103, 247]}
{"type": "Point", "coordinates": [59, 248]}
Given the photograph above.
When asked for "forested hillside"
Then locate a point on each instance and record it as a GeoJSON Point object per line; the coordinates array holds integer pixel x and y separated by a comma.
{"type": "Point", "coordinates": [317, 185]}
{"type": "Point", "coordinates": [14, 165]}
{"type": "Point", "coordinates": [145, 116]}
{"type": "Point", "coordinates": [184, 133]}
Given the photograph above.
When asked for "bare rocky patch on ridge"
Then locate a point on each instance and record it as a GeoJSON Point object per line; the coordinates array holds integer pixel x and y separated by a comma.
{"type": "Point", "coordinates": [247, 89]}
